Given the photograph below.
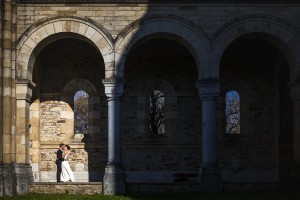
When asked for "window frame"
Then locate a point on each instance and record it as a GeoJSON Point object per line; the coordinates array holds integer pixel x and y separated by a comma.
{"type": "Point", "coordinates": [239, 112]}
{"type": "Point", "coordinates": [244, 91]}
{"type": "Point", "coordinates": [69, 91]}
{"type": "Point", "coordinates": [162, 110]}
{"type": "Point", "coordinates": [88, 110]}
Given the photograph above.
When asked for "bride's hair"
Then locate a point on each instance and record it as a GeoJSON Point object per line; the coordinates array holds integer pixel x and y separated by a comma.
{"type": "Point", "coordinates": [68, 147]}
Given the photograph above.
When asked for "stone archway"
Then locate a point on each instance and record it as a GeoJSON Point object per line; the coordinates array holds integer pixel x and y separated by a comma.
{"type": "Point", "coordinates": [160, 59]}
{"type": "Point", "coordinates": [286, 40]}
{"type": "Point", "coordinates": [277, 31]}
{"type": "Point", "coordinates": [185, 32]}
{"type": "Point", "coordinates": [34, 40]}
{"type": "Point", "coordinates": [70, 90]}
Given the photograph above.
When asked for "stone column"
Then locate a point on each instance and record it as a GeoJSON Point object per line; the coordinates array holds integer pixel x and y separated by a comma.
{"type": "Point", "coordinates": [6, 177]}
{"type": "Point", "coordinates": [295, 94]}
{"type": "Point", "coordinates": [209, 175]}
{"type": "Point", "coordinates": [114, 177]}
{"type": "Point", "coordinates": [23, 170]}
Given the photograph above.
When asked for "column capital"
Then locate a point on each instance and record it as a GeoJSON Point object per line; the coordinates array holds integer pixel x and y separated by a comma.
{"type": "Point", "coordinates": [24, 89]}
{"type": "Point", "coordinates": [114, 87]}
{"type": "Point", "coordinates": [208, 88]}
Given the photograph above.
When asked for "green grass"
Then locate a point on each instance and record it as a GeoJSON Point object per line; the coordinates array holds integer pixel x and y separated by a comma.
{"type": "Point", "coordinates": [228, 195]}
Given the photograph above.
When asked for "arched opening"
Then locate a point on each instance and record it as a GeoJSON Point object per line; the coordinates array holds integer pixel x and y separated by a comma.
{"type": "Point", "coordinates": [157, 112]}
{"type": "Point", "coordinates": [160, 76]}
{"type": "Point", "coordinates": [232, 112]}
{"type": "Point", "coordinates": [81, 112]}
{"type": "Point", "coordinates": [68, 71]}
{"type": "Point", "coordinates": [265, 107]}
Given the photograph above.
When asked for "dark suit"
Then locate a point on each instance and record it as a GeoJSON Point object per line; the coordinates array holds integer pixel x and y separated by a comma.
{"type": "Point", "coordinates": [59, 159]}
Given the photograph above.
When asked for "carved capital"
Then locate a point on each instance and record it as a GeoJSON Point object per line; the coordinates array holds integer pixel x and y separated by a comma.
{"type": "Point", "coordinates": [24, 89]}
{"type": "Point", "coordinates": [208, 88]}
{"type": "Point", "coordinates": [114, 88]}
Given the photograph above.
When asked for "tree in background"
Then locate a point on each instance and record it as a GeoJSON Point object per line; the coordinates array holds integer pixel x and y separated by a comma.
{"type": "Point", "coordinates": [81, 109]}
{"type": "Point", "coordinates": [157, 113]}
{"type": "Point", "coordinates": [232, 112]}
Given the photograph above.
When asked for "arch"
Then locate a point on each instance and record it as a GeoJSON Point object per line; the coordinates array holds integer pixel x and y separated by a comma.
{"type": "Point", "coordinates": [160, 84]}
{"type": "Point", "coordinates": [69, 90]}
{"type": "Point", "coordinates": [240, 86]}
{"type": "Point", "coordinates": [73, 86]}
{"type": "Point", "coordinates": [275, 30]}
{"type": "Point", "coordinates": [174, 27]}
{"type": "Point", "coordinates": [34, 39]}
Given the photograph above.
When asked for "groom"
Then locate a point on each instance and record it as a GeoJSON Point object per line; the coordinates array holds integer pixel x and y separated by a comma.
{"type": "Point", "coordinates": [59, 159]}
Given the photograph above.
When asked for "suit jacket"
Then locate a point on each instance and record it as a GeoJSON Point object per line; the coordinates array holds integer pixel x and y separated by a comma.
{"type": "Point", "coordinates": [59, 155]}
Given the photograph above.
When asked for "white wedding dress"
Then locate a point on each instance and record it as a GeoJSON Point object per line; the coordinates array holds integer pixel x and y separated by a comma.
{"type": "Point", "coordinates": [66, 172]}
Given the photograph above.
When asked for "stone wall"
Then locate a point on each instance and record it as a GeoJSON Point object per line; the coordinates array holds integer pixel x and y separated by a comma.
{"type": "Point", "coordinates": [56, 121]}
{"type": "Point", "coordinates": [74, 188]}
{"type": "Point", "coordinates": [52, 124]}
{"type": "Point", "coordinates": [115, 17]}
{"type": "Point", "coordinates": [251, 158]}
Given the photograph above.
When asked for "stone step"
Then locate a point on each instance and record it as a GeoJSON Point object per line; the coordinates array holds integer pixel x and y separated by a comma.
{"type": "Point", "coordinates": [69, 187]}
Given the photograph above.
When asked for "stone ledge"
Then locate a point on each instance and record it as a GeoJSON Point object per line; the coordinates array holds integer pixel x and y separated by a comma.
{"type": "Point", "coordinates": [70, 188]}
{"type": "Point", "coordinates": [155, 1]}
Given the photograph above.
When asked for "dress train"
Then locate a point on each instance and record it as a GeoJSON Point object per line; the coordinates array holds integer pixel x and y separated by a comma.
{"type": "Point", "coordinates": [66, 172]}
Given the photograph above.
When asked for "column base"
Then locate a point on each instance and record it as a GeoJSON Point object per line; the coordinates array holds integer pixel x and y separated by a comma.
{"type": "Point", "coordinates": [114, 180]}
{"type": "Point", "coordinates": [15, 179]}
{"type": "Point", "coordinates": [23, 176]}
{"type": "Point", "coordinates": [210, 177]}
{"type": "Point", "coordinates": [6, 180]}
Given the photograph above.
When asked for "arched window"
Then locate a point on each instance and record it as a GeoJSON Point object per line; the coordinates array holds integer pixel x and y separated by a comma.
{"type": "Point", "coordinates": [232, 112]}
{"type": "Point", "coordinates": [81, 110]}
{"type": "Point", "coordinates": [157, 112]}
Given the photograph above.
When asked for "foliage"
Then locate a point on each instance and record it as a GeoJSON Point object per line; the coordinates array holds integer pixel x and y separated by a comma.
{"type": "Point", "coordinates": [232, 113]}
{"type": "Point", "coordinates": [157, 114]}
{"type": "Point", "coordinates": [81, 108]}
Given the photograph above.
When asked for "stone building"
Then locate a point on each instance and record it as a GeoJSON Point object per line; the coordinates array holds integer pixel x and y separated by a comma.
{"type": "Point", "coordinates": [195, 54]}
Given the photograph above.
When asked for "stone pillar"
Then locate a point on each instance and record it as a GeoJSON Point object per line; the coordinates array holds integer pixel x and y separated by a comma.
{"type": "Point", "coordinates": [23, 170]}
{"type": "Point", "coordinates": [114, 177]}
{"type": "Point", "coordinates": [209, 175]}
{"type": "Point", "coordinates": [6, 178]}
{"type": "Point", "coordinates": [295, 94]}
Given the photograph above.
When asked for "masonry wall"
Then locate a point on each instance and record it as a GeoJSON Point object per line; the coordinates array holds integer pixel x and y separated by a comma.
{"type": "Point", "coordinates": [115, 17]}
{"type": "Point", "coordinates": [52, 123]}
{"type": "Point", "coordinates": [146, 158]}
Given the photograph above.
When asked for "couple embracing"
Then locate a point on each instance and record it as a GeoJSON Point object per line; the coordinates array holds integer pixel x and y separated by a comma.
{"type": "Point", "coordinates": [64, 172]}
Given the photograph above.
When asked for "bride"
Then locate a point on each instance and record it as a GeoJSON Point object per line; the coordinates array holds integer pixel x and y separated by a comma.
{"type": "Point", "coordinates": [66, 172]}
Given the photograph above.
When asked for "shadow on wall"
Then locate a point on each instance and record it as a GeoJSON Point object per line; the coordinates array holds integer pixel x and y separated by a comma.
{"type": "Point", "coordinates": [159, 55]}
{"type": "Point", "coordinates": [155, 51]}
